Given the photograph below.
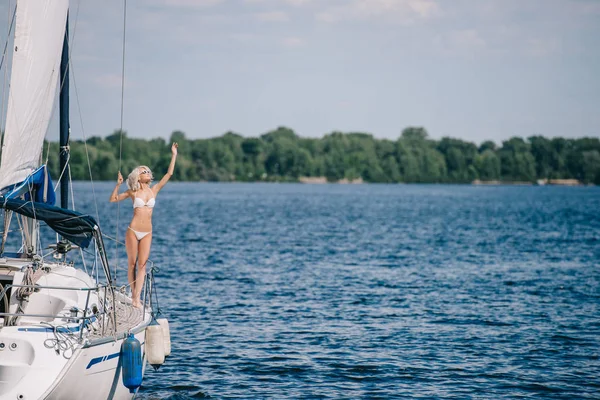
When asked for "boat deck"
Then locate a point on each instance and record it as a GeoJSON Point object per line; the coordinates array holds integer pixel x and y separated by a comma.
{"type": "Point", "coordinates": [127, 318]}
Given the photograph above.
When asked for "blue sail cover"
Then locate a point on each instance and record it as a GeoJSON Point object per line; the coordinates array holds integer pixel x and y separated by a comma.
{"type": "Point", "coordinates": [78, 228]}
{"type": "Point", "coordinates": [39, 183]}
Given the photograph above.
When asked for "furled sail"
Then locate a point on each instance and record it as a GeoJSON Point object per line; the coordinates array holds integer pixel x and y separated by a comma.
{"type": "Point", "coordinates": [77, 227]}
{"type": "Point", "coordinates": [39, 34]}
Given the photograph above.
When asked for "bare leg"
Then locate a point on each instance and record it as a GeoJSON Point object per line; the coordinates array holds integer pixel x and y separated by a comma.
{"type": "Point", "coordinates": [143, 254]}
{"type": "Point", "coordinates": [131, 244]}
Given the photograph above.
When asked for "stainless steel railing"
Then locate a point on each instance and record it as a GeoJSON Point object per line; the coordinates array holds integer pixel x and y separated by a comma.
{"type": "Point", "coordinates": [106, 309]}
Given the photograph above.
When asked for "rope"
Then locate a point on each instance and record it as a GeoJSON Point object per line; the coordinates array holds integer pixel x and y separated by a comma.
{"type": "Point", "coordinates": [73, 206]}
{"type": "Point", "coordinates": [64, 168]}
{"type": "Point", "coordinates": [87, 153]}
{"type": "Point", "coordinates": [71, 187]}
{"type": "Point", "coordinates": [5, 298]}
{"type": "Point", "coordinates": [64, 340]}
{"type": "Point", "coordinates": [121, 132]}
{"type": "Point", "coordinates": [113, 239]}
{"type": "Point", "coordinates": [71, 42]}
{"type": "Point", "coordinates": [29, 279]}
{"type": "Point", "coordinates": [23, 233]}
{"type": "Point", "coordinates": [96, 261]}
{"type": "Point", "coordinates": [123, 78]}
{"type": "Point", "coordinates": [34, 219]}
{"type": "Point", "coordinates": [155, 293]}
{"type": "Point", "coordinates": [7, 230]}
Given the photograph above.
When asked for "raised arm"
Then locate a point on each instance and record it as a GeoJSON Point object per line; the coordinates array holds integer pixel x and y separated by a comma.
{"type": "Point", "coordinates": [156, 188]}
{"type": "Point", "coordinates": [115, 196]}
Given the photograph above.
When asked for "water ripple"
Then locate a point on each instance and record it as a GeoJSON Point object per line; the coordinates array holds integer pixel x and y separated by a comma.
{"type": "Point", "coordinates": [375, 292]}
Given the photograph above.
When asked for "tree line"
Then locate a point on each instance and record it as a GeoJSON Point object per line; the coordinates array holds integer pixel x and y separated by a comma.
{"type": "Point", "coordinates": [282, 155]}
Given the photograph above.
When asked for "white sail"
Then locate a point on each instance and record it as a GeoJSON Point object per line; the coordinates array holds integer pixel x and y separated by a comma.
{"type": "Point", "coordinates": [39, 35]}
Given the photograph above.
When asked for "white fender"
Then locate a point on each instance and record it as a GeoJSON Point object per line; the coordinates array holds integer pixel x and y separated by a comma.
{"type": "Point", "coordinates": [166, 334]}
{"type": "Point", "coordinates": [155, 345]}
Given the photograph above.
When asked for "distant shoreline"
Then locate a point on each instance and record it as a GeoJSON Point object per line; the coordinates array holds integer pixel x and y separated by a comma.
{"type": "Point", "coordinates": [542, 182]}
{"type": "Point", "coordinates": [539, 182]}
{"type": "Point", "coordinates": [360, 181]}
{"type": "Point", "coordinates": [281, 155]}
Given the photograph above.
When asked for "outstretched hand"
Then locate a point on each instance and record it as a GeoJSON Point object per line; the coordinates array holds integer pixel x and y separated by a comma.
{"type": "Point", "coordinates": [174, 148]}
{"type": "Point", "coordinates": [119, 178]}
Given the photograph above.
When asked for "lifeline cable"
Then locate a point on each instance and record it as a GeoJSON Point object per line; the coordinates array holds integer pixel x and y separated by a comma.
{"type": "Point", "coordinates": [121, 133]}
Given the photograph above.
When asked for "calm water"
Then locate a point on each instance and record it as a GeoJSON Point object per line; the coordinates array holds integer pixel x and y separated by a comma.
{"type": "Point", "coordinates": [402, 291]}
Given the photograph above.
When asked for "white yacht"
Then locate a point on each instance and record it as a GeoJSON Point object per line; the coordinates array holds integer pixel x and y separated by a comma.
{"type": "Point", "coordinates": [63, 320]}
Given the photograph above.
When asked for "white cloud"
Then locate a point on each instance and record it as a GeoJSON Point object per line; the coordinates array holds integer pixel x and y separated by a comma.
{"type": "Point", "coordinates": [296, 3]}
{"type": "Point", "coordinates": [590, 8]}
{"type": "Point", "coordinates": [466, 39]}
{"type": "Point", "coordinates": [254, 39]}
{"type": "Point", "coordinates": [272, 16]}
{"type": "Point", "coordinates": [192, 3]}
{"type": "Point", "coordinates": [542, 47]}
{"type": "Point", "coordinates": [292, 41]}
{"type": "Point", "coordinates": [245, 37]}
{"type": "Point", "coordinates": [329, 16]}
{"type": "Point", "coordinates": [404, 11]}
{"type": "Point", "coordinates": [460, 42]}
{"type": "Point", "coordinates": [424, 8]}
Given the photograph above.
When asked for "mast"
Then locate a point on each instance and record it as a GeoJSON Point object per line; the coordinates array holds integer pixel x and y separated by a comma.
{"type": "Point", "coordinates": [64, 120]}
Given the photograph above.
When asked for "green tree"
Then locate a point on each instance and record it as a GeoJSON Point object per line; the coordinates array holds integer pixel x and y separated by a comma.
{"type": "Point", "coordinates": [280, 155]}
{"type": "Point", "coordinates": [487, 165]}
{"type": "Point", "coordinates": [590, 167]}
{"type": "Point", "coordinates": [541, 149]}
{"type": "Point", "coordinates": [517, 162]}
{"type": "Point", "coordinates": [487, 145]}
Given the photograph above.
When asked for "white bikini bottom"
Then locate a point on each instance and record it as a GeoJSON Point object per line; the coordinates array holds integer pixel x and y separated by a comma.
{"type": "Point", "coordinates": [139, 235]}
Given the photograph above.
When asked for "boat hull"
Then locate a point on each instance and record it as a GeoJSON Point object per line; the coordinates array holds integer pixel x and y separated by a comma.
{"type": "Point", "coordinates": [93, 372]}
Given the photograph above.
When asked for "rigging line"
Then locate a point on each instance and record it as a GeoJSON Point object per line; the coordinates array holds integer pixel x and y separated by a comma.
{"type": "Point", "coordinates": [71, 44]}
{"type": "Point", "coordinates": [62, 82]}
{"type": "Point", "coordinates": [96, 261]}
{"type": "Point", "coordinates": [34, 219]}
{"type": "Point", "coordinates": [121, 132]}
{"type": "Point", "coordinates": [63, 170]}
{"type": "Point", "coordinates": [71, 187]}
{"type": "Point", "coordinates": [24, 233]}
{"type": "Point", "coordinates": [123, 79]}
{"type": "Point", "coordinates": [155, 294]}
{"type": "Point", "coordinates": [113, 239]}
{"type": "Point", "coordinates": [9, 231]}
{"type": "Point", "coordinates": [87, 153]}
{"type": "Point", "coordinates": [73, 205]}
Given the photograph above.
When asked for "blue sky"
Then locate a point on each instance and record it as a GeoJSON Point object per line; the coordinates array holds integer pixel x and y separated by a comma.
{"type": "Point", "coordinates": [475, 70]}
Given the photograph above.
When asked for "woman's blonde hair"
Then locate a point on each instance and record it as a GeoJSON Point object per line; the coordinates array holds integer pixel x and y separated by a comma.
{"type": "Point", "coordinates": [133, 180]}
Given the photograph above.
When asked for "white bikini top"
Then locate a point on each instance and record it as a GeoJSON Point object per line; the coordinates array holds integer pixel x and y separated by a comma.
{"type": "Point", "coordinates": [138, 202]}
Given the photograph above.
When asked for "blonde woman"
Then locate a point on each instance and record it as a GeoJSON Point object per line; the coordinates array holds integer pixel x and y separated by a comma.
{"type": "Point", "coordinates": [139, 232]}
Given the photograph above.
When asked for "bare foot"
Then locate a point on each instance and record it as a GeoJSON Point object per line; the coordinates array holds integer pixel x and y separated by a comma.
{"type": "Point", "coordinates": [136, 303]}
